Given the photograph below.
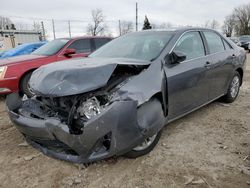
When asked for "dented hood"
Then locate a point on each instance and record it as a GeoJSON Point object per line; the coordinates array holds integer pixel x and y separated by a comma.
{"type": "Point", "coordinates": [76, 76]}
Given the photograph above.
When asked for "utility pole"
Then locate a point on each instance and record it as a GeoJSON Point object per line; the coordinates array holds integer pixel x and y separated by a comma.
{"type": "Point", "coordinates": [120, 29]}
{"type": "Point", "coordinates": [136, 16]}
{"type": "Point", "coordinates": [69, 29]}
{"type": "Point", "coordinates": [43, 30]}
{"type": "Point", "coordinates": [53, 25]}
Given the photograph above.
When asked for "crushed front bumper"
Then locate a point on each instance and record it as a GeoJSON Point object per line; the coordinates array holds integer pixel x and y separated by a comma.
{"type": "Point", "coordinates": [117, 123]}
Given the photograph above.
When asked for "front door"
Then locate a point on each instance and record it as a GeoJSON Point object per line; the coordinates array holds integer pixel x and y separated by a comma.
{"type": "Point", "coordinates": [82, 47]}
{"type": "Point", "coordinates": [187, 81]}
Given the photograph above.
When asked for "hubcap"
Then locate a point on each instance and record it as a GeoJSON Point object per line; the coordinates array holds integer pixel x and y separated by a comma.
{"type": "Point", "coordinates": [235, 85]}
{"type": "Point", "coordinates": [146, 143]}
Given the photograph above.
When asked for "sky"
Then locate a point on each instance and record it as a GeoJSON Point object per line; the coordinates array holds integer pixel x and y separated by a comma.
{"type": "Point", "coordinates": [178, 12]}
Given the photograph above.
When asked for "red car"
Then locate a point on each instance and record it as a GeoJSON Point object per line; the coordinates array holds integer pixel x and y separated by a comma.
{"type": "Point", "coordinates": [15, 72]}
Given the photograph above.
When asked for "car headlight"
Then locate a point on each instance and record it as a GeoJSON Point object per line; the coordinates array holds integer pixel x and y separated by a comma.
{"type": "Point", "coordinates": [90, 108]}
{"type": "Point", "coordinates": [2, 71]}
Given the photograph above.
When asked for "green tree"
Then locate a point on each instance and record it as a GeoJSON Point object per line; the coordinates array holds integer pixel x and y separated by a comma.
{"type": "Point", "coordinates": [146, 24]}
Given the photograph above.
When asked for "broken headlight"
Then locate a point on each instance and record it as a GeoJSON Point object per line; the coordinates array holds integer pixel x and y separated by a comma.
{"type": "Point", "coordinates": [90, 108]}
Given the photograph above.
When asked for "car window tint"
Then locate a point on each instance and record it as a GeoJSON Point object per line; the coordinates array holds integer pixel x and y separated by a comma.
{"type": "Point", "coordinates": [100, 42]}
{"type": "Point", "coordinates": [227, 46]}
{"type": "Point", "coordinates": [190, 45]}
{"type": "Point", "coordinates": [214, 42]}
{"type": "Point", "coordinates": [81, 46]}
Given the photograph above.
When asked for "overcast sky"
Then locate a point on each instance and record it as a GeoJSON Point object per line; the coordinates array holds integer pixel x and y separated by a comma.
{"type": "Point", "coordinates": [181, 12]}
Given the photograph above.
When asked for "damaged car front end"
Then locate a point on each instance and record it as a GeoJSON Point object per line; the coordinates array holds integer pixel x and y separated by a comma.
{"type": "Point", "coordinates": [116, 101]}
{"type": "Point", "coordinates": [90, 109]}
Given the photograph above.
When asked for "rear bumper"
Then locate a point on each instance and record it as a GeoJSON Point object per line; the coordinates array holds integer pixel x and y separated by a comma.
{"type": "Point", "coordinates": [8, 85]}
{"type": "Point", "coordinates": [117, 123]}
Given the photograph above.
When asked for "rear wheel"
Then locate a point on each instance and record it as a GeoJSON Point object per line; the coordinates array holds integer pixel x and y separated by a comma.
{"type": "Point", "coordinates": [24, 85]}
{"type": "Point", "coordinates": [233, 89]}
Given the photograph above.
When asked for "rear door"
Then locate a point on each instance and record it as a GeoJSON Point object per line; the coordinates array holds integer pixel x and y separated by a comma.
{"type": "Point", "coordinates": [186, 81]}
{"type": "Point", "coordinates": [220, 66]}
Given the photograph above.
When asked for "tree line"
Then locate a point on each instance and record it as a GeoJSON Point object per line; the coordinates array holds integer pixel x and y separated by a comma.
{"type": "Point", "coordinates": [238, 22]}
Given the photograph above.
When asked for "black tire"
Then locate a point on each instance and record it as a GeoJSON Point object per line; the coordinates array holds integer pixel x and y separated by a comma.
{"type": "Point", "coordinates": [231, 96]}
{"type": "Point", "coordinates": [138, 153]}
{"type": "Point", "coordinates": [24, 88]}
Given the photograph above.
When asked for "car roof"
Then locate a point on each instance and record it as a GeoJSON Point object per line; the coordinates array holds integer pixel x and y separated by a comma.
{"type": "Point", "coordinates": [178, 29]}
{"type": "Point", "coordinates": [86, 37]}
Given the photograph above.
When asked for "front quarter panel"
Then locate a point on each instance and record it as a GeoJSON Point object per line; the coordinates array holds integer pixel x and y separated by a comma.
{"type": "Point", "coordinates": [142, 87]}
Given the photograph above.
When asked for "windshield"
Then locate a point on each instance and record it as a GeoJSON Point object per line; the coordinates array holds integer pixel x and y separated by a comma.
{"type": "Point", "coordinates": [51, 48]}
{"type": "Point", "coordinates": [244, 38]}
{"type": "Point", "coordinates": [140, 45]}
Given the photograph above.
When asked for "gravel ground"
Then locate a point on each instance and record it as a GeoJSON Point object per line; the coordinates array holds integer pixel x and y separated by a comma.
{"type": "Point", "coordinates": [208, 148]}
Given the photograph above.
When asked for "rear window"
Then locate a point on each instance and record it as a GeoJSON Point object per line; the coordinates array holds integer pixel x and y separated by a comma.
{"type": "Point", "coordinates": [214, 42]}
{"type": "Point", "coordinates": [81, 46]}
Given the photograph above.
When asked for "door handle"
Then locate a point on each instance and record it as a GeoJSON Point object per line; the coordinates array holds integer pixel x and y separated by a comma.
{"type": "Point", "coordinates": [208, 65]}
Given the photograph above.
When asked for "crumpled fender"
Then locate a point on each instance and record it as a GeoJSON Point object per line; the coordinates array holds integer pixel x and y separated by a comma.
{"type": "Point", "coordinates": [142, 87]}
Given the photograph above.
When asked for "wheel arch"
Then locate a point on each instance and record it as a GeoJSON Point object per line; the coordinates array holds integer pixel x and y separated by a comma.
{"type": "Point", "coordinates": [240, 71]}
{"type": "Point", "coordinates": [23, 75]}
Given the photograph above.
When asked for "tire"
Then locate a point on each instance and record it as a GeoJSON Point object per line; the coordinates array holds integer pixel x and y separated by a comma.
{"type": "Point", "coordinates": [24, 85]}
{"type": "Point", "coordinates": [234, 88]}
{"type": "Point", "coordinates": [136, 152]}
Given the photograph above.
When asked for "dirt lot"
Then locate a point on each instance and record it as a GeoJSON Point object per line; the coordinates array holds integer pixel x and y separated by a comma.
{"type": "Point", "coordinates": [208, 148]}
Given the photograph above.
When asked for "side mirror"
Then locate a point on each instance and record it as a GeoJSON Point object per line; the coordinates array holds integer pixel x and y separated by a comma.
{"type": "Point", "coordinates": [175, 57]}
{"type": "Point", "coordinates": [68, 52]}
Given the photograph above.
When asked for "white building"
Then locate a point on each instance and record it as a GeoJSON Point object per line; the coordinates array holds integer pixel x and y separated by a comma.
{"type": "Point", "coordinates": [12, 38]}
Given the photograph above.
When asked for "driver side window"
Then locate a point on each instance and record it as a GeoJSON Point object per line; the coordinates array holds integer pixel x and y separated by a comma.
{"type": "Point", "coordinates": [190, 45]}
{"type": "Point", "coordinates": [81, 46]}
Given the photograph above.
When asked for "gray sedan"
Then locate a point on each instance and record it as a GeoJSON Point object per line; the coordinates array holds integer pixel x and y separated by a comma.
{"type": "Point", "coordinates": [116, 101]}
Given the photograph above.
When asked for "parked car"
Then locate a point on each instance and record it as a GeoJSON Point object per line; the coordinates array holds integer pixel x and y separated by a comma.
{"type": "Point", "coordinates": [117, 101]}
{"type": "Point", "coordinates": [22, 49]}
{"type": "Point", "coordinates": [1, 53]}
{"type": "Point", "coordinates": [15, 72]}
{"type": "Point", "coordinates": [235, 40]}
{"type": "Point", "coordinates": [244, 42]}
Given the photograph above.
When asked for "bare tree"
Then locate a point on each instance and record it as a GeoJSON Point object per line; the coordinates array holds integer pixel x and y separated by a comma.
{"type": "Point", "coordinates": [242, 19]}
{"type": "Point", "coordinates": [37, 26]}
{"type": "Point", "coordinates": [97, 27]}
{"type": "Point", "coordinates": [164, 25]}
{"type": "Point", "coordinates": [229, 25]}
{"type": "Point", "coordinates": [126, 27]}
{"type": "Point", "coordinates": [213, 24]}
{"type": "Point", "coordinates": [207, 24]}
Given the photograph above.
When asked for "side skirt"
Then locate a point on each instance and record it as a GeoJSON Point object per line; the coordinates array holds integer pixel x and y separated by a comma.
{"type": "Point", "coordinates": [178, 117]}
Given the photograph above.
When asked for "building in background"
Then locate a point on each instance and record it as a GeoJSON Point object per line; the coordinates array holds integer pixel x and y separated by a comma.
{"type": "Point", "coordinates": [12, 38]}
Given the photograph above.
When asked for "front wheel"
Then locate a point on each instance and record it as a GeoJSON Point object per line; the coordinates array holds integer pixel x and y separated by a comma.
{"type": "Point", "coordinates": [233, 89]}
{"type": "Point", "coordinates": [145, 147]}
{"type": "Point", "coordinates": [24, 85]}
